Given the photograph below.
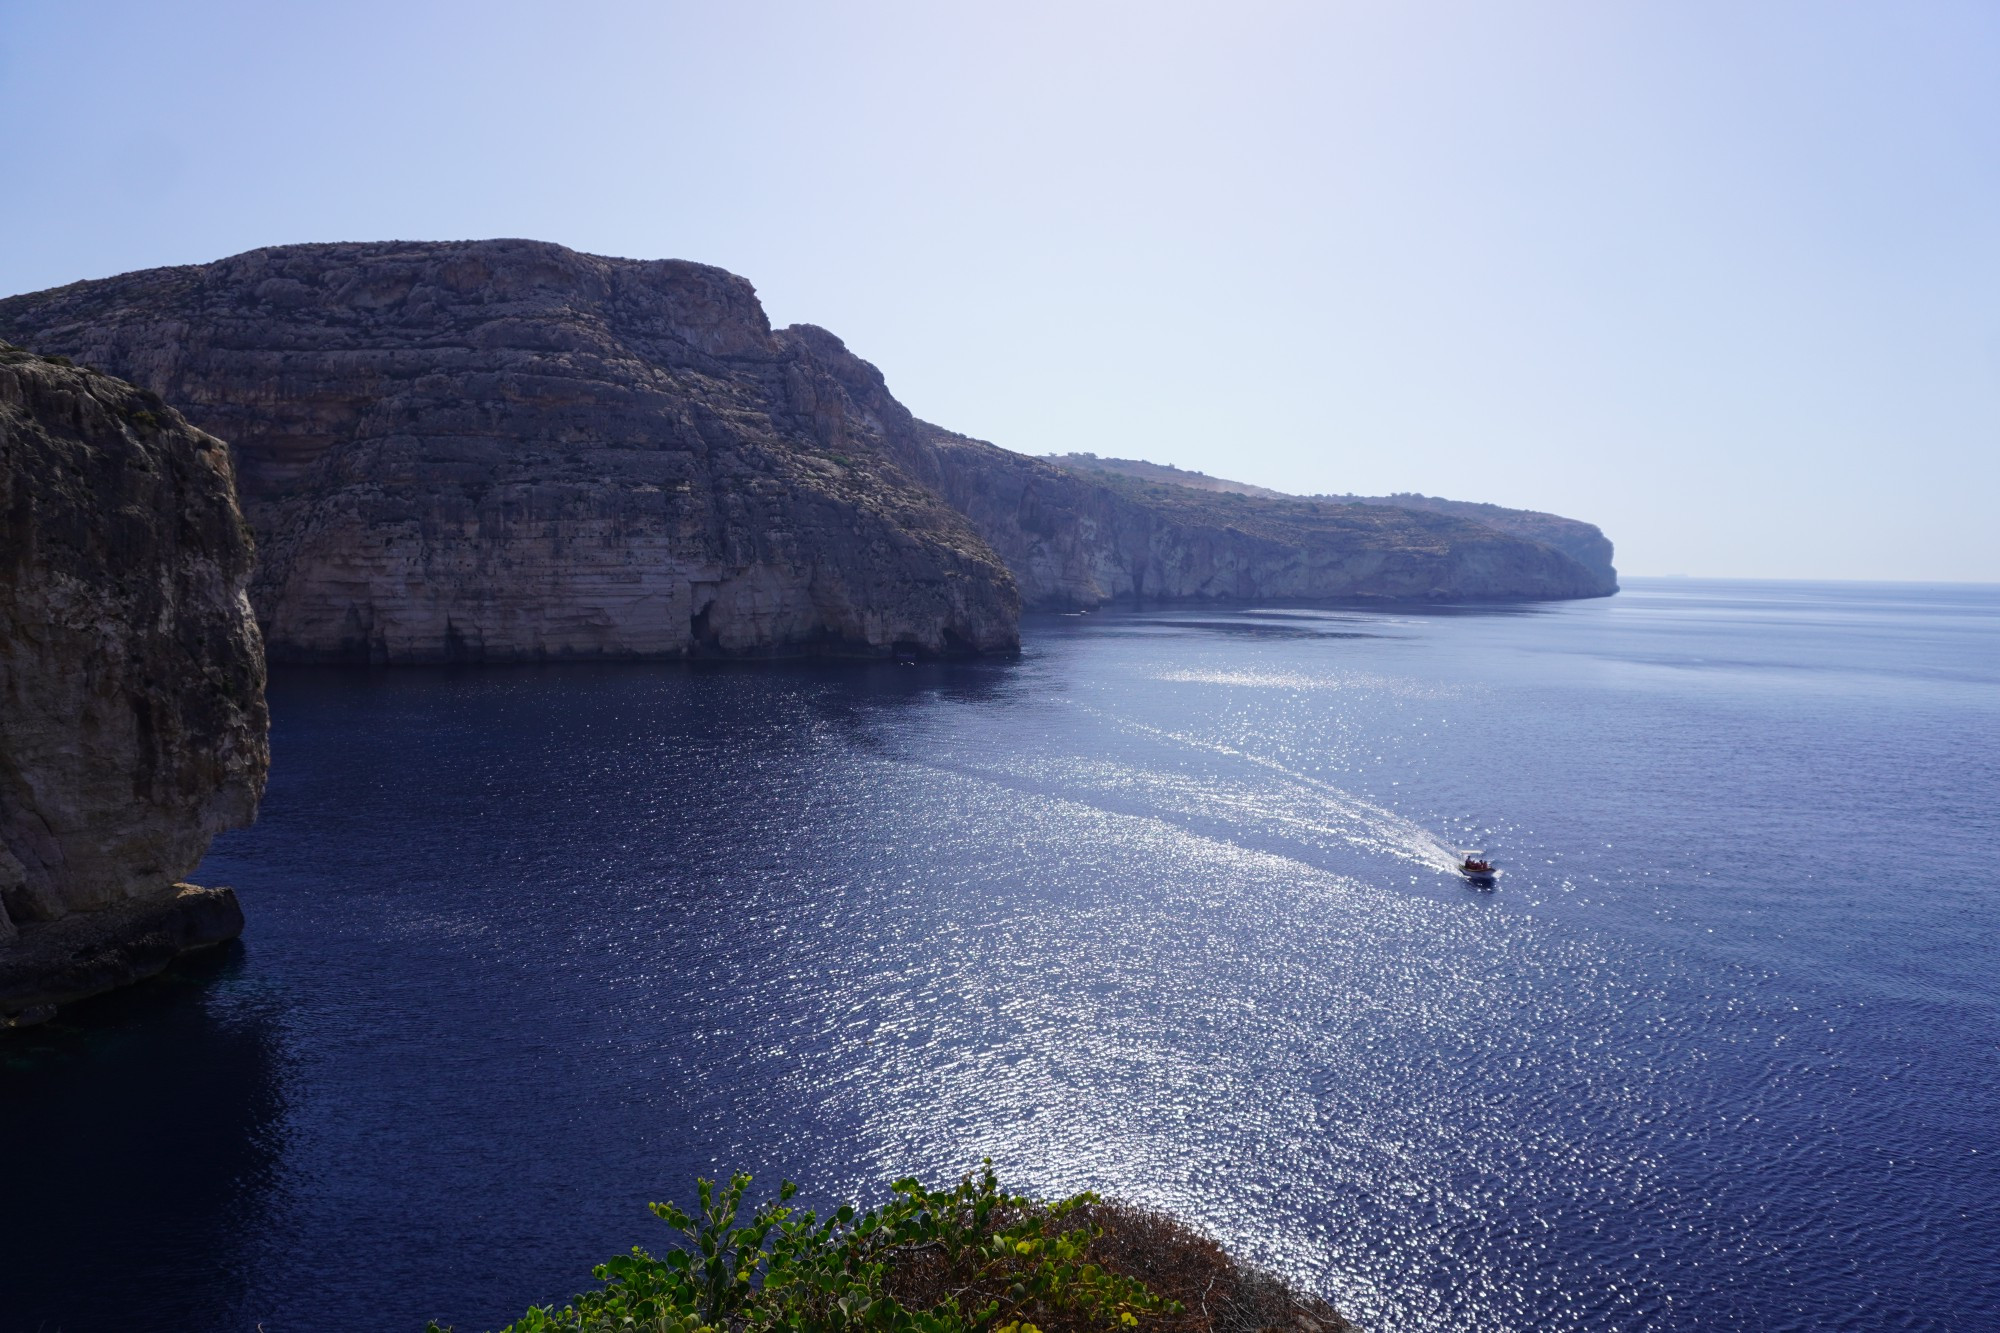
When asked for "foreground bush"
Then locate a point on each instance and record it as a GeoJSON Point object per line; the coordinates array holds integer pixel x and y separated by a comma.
{"type": "Point", "coordinates": [969, 1260]}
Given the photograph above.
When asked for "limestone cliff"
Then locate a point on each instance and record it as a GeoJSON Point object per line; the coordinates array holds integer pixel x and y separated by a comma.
{"type": "Point", "coordinates": [505, 449]}
{"type": "Point", "coordinates": [1080, 539]}
{"type": "Point", "coordinates": [1583, 542]}
{"type": "Point", "coordinates": [132, 722]}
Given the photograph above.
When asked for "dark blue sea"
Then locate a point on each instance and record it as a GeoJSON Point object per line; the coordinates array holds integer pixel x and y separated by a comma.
{"type": "Point", "coordinates": [1161, 909]}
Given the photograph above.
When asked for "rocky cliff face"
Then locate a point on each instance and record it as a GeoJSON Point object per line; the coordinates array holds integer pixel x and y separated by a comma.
{"type": "Point", "coordinates": [506, 449]}
{"type": "Point", "coordinates": [1078, 539]}
{"type": "Point", "coordinates": [132, 722]}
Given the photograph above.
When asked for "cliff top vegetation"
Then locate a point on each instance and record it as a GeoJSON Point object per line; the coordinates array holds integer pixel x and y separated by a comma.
{"type": "Point", "coordinates": [1277, 517]}
{"type": "Point", "coordinates": [972, 1259]}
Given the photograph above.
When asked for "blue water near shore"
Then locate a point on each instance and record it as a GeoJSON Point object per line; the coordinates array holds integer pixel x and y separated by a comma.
{"type": "Point", "coordinates": [1161, 908]}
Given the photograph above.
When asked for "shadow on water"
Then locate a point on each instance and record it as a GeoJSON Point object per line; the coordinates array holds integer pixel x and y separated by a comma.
{"type": "Point", "coordinates": [857, 703]}
{"type": "Point", "coordinates": [141, 1132]}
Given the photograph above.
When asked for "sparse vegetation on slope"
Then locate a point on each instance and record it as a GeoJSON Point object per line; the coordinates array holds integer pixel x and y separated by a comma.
{"type": "Point", "coordinates": [973, 1259]}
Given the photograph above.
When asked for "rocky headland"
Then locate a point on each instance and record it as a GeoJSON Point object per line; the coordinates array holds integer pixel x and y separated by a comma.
{"type": "Point", "coordinates": [132, 720]}
{"type": "Point", "coordinates": [1583, 542]}
{"type": "Point", "coordinates": [507, 449]}
{"type": "Point", "coordinates": [1077, 538]}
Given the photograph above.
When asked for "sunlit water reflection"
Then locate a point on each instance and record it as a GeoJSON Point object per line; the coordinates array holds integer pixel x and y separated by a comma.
{"type": "Point", "coordinates": [1162, 909]}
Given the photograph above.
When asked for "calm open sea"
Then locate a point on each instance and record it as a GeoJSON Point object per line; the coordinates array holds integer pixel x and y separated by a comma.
{"type": "Point", "coordinates": [1160, 908]}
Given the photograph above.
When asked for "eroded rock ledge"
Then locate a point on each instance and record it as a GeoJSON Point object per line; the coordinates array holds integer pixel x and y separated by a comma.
{"type": "Point", "coordinates": [52, 963]}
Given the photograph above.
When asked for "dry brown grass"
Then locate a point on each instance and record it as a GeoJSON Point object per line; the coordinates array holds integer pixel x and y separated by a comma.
{"type": "Point", "coordinates": [1217, 1293]}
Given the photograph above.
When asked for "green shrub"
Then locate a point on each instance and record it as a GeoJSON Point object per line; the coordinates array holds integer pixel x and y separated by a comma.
{"type": "Point", "coordinates": [968, 1260]}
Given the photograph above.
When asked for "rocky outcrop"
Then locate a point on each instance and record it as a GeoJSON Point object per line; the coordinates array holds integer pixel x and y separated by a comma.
{"type": "Point", "coordinates": [132, 721]}
{"type": "Point", "coordinates": [1079, 539]}
{"type": "Point", "coordinates": [59, 962]}
{"type": "Point", "coordinates": [505, 449]}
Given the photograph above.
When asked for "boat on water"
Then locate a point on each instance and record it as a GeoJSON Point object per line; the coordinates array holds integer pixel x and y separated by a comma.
{"type": "Point", "coordinates": [1477, 869]}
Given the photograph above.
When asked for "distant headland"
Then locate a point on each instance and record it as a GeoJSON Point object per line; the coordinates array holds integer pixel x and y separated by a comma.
{"type": "Point", "coordinates": [1583, 542]}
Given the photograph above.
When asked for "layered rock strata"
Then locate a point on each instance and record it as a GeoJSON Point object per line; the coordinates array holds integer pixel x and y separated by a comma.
{"type": "Point", "coordinates": [132, 720]}
{"type": "Point", "coordinates": [506, 449]}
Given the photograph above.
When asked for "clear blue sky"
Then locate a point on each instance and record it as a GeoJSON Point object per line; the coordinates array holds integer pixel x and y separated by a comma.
{"type": "Point", "coordinates": [1722, 277]}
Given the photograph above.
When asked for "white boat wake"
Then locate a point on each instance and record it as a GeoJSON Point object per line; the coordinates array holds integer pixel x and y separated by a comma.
{"type": "Point", "coordinates": [1308, 805]}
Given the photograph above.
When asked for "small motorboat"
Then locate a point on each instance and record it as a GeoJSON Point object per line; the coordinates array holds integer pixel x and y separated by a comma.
{"type": "Point", "coordinates": [1477, 869]}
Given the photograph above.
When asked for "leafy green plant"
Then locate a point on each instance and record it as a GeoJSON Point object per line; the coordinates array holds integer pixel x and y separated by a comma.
{"type": "Point", "coordinates": [972, 1259]}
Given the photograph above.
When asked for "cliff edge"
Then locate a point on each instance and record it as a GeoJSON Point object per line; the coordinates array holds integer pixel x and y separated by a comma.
{"type": "Point", "coordinates": [132, 720]}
